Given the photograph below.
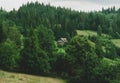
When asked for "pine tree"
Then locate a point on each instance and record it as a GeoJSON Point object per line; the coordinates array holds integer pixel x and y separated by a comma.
{"type": "Point", "coordinates": [2, 36]}
{"type": "Point", "coordinates": [99, 31]}
{"type": "Point", "coordinates": [34, 59]}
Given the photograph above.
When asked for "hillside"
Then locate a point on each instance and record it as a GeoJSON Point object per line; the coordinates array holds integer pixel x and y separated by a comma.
{"type": "Point", "coordinates": [27, 44]}
{"type": "Point", "coordinates": [93, 33]}
{"type": "Point", "coordinates": [8, 77]}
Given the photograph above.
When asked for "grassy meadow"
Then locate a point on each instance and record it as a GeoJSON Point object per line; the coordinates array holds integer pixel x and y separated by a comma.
{"type": "Point", "coordinates": [8, 77]}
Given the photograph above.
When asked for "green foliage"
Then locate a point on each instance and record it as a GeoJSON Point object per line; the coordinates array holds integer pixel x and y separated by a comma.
{"type": "Point", "coordinates": [27, 42]}
{"type": "Point", "coordinates": [9, 55]}
{"type": "Point", "coordinates": [110, 50]}
{"type": "Point", "coordinates": [99, 32]}
{"type": "Point", "coordinates": [34, 14]}
{"type": "Point", "coordinates": [2, 37]}
{"type": "Point", "coordinates": [45, 38]}
{"type": "Point", "coordinates": [82, 57]}
{"type": "Point", "coordinates": [12, 32]}
{"type": "Point", "coordinates": [60, 64]}
{"type": "Point", "coordinates": [105, 46]}
{"type": "Point", "coordinates": [9, 46]}
{"type": "Point", "coordinates": [57, 31]}
{"type": "Point", "coordinates": [37, 52]}
{"type": "Point", "coordinates": [107, 70]}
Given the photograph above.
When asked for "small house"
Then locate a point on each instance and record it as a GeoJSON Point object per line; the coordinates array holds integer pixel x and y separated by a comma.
{"type": "Point", "coordinates": [62, 41]}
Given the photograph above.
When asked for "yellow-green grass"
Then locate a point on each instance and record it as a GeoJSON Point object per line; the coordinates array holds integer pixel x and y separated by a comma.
{"type": "Point", "coordinates": [8, 77]}
{"type": "Point", "coordinates": [116, 42]}
{"type": "Point", "coordinates": [88, 33]}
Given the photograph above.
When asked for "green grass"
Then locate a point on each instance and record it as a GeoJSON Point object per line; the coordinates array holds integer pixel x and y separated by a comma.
{"type": "Point", "coordinates": [88, 33]}
{"type": "Point", "coordinates": [116, 42]}
{"type": "Point", "coordinates": [8, 77]}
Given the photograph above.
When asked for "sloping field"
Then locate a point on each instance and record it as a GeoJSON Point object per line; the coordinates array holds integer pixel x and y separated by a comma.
{"type": "Point", "coordinates": [116, 42]}
{"type": "Point", "coordinates": [7, 77]}
{"type": "Point", "coordinates": [88, 33]}
{"type": "Point", "coordinates": [93, 33]}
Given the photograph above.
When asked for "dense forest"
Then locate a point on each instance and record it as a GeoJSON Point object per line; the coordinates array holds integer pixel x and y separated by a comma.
{"type": "Point", "coordinates": [29, 43]}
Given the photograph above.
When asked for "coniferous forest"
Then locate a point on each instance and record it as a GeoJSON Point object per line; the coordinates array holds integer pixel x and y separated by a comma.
{"type": "Point", "coordinates": [44, 40]}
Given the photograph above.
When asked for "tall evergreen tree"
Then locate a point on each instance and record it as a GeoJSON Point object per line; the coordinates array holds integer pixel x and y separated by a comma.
{"type": "Point", "coordinates": [99, 31]}
{"type": "Point", "coordinates": [2, 36]}
{"type": "Point", "coordinates": [82, 58]}
{"type": "Point", "coordinates": [34, 59]}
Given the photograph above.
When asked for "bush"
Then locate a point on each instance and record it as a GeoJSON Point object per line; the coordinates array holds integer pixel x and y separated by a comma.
{"type": "Point", "coordinates": [9, 55]}
{"type": "Point", "coordinates": [82, 58]}
{"type": "Point", "coordinates": [107, 70]}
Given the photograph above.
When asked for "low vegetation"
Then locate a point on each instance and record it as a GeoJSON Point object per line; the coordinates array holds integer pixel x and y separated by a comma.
{"type": "Point", "coordinates": [86, 33]}
{"type": "Point", "coordinates": [116, 42]}
{"type": "Point", "coordinates": [8, 77]}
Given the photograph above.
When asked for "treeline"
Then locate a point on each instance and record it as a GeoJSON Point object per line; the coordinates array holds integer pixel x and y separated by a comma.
{"type": "Point", "coordinates": [64, 20]}
{"type": "Point", "coordinates": [68, 20]}
{"type": "Point", "coordinates": [28, 43]}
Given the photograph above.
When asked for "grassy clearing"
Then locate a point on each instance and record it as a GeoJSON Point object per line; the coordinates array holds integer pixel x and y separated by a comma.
{"type": "Point", "coordinates": [116, 42]}
{"type": "Point", "coordinates": [7, 77]}
{"type": "Point", "coordinates": [86, 32]}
